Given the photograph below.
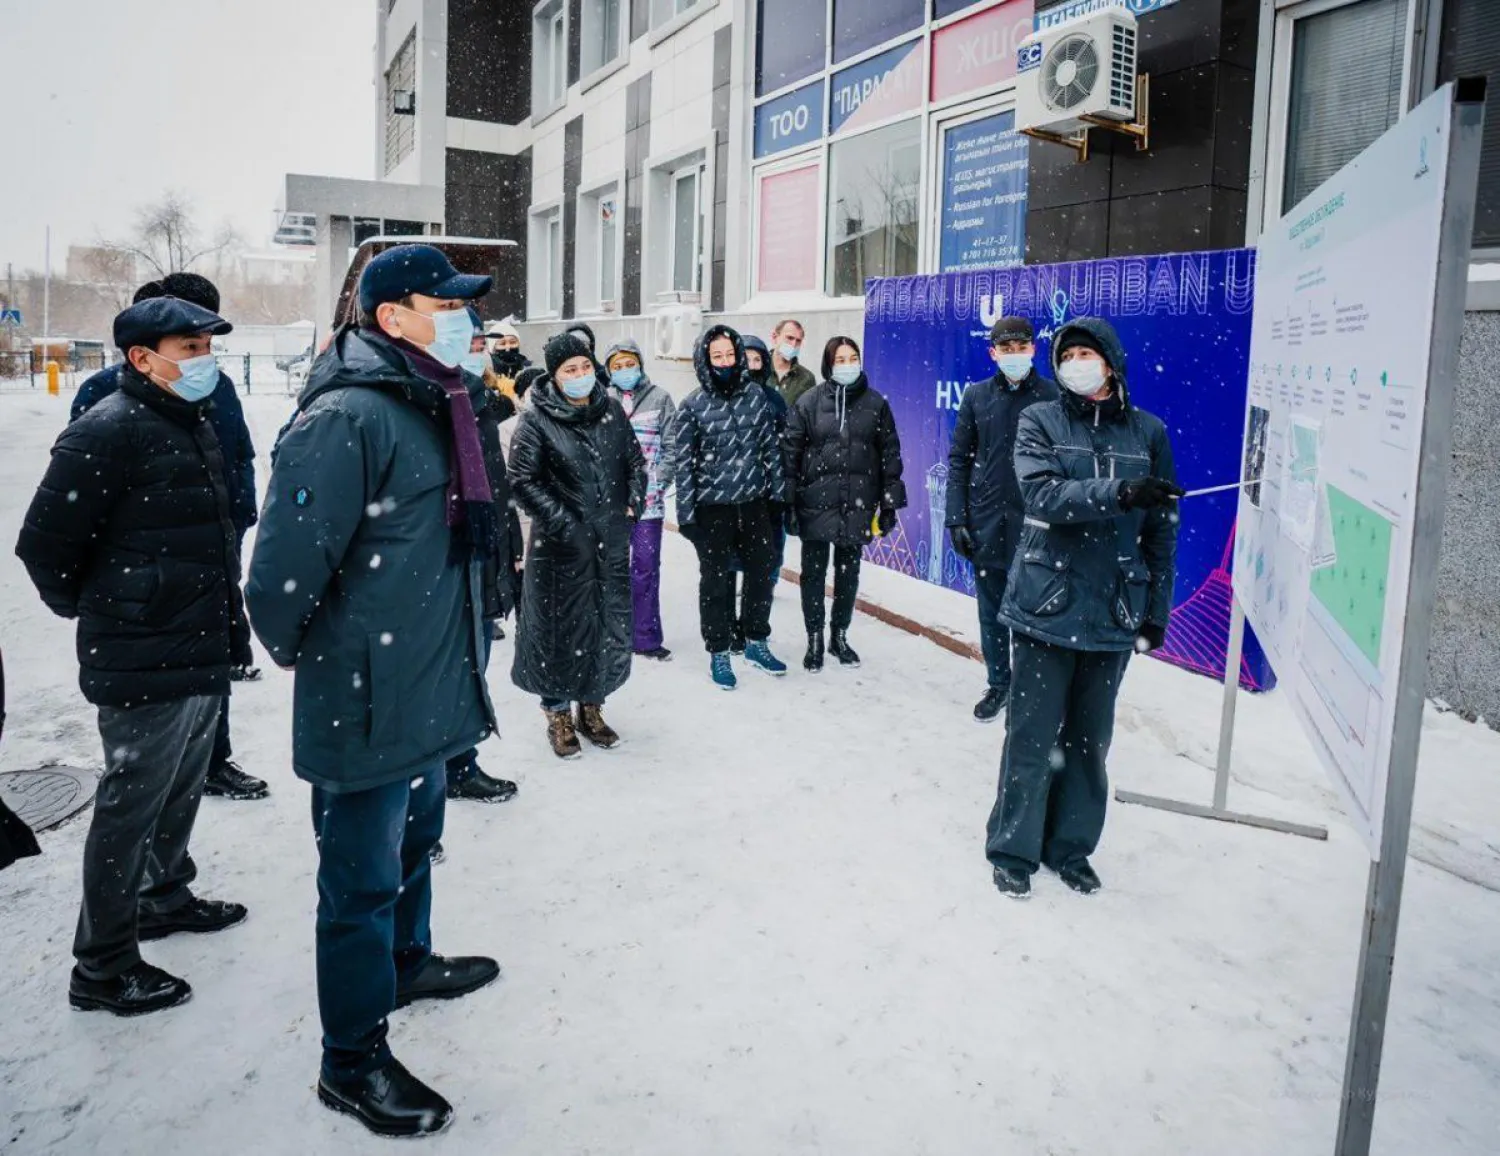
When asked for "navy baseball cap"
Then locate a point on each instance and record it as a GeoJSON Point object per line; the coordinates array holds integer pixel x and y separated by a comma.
{"type": "Point", "coordinates": [147, 322]}
{"type": "Point", "coordinates": [409, 269]}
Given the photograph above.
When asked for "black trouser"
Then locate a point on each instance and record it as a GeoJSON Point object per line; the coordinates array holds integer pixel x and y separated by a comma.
{"type": "Point", "coordinates": [223, 750]}
{"type": "Point", "coordinates": [1053, 787]}
{"type": "Point", "coordinates": [724, 532]}
{"type": "Point", "coordinates": [994, 635]}
{"type": "Point", "coordinates": [815, 582]}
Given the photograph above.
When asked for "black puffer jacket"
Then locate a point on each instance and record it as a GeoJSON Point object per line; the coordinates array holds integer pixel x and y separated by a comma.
{"type": "Point", "coordinates": [843, 459]}
{"type": "Point", "coordinates": [1088, 573]}
{"type": "Point", "coordinates": [131, 533]}
{"type": "Point", "coordinates": [501, 579]}
{"type": "Point", "coordinates": [576, 470]}
{"type": "Point", "coordinates": [725, 441]}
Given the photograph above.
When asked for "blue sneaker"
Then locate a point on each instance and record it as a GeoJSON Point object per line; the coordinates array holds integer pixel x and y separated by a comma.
{"type": "Point", "coordinates": [758, 654]}
{"type": "Point", "coordinates": [722, 672]}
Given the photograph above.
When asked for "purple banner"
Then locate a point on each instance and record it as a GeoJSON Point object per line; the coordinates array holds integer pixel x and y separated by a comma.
{"type": "Point", "coordinates": [1185, 321]}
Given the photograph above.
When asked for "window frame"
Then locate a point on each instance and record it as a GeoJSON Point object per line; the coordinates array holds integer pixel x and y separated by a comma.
{"type": "Point", "coordinates": [802, 158]}
{"type": "Point", "coordinates": [395, 122]}
{"type": "Point", "coordinates": [694, 170]}
{"type": "Point", "coordinates": [589, 298]}
{"type": "Point", "coordinates": [941, 120]}
{"type": "Point", "coordinates": [590, 26]}
{"type": "Point", "coordinates": [923, 224]}
{"type": "Point", "coordinates": [675, 23]}
{"type": "Point", "coordinates": [549, 47]}
{"type": "Point", "coordinates": [542, 219]}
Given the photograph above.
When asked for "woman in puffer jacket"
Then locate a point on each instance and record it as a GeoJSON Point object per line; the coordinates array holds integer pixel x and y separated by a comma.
{"type": "Point", "coordinates": [650, 410]}
{"type": "Point", "coordinates": [843, 462]}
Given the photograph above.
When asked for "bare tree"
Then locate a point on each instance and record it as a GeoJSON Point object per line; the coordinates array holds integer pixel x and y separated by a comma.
{"type": "Point", "coordinates": [168, 239]}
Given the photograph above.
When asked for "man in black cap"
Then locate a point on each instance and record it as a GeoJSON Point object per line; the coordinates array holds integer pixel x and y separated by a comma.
{"type": "Point", "coordinates": [1091, 583]}
{"type": "Point", "coordinates": [367, 580]}
{"type": "Point", "coordinates": [132, 533]}
{"type": "Point", "coordinates": [984, 502]}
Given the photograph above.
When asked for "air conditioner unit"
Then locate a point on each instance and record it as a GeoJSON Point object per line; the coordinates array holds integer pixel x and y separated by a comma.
{"type": "Point", "coordinates": [677, 329]}
{"type": "Point", "coordinates": [1081, 67]}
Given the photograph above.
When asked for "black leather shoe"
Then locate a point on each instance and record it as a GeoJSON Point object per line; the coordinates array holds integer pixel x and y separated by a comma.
{"type": "Point", "coordinates": [390, 1101]}
{"type": "Point", "coordinates": [480, 788]}
{"type": "Point", "coordinates": [1013, 882]}
{"type": "Point", "coordinates": [1080, 877]}
{"type": "Point", "coordinates": [227, 781]}
{"type": "Point", "coordinates": [244, 674]}
{"type": "Point", "coordinates": [136, 991]}
{"type": "Point", "coordinates": [197, 915]}
{"type": "Point", "coordinates": [442, 978]}
{"type": "Point", "coordinates": [988, 709]}
{"type": "Point", "coordinates": [437, 854]}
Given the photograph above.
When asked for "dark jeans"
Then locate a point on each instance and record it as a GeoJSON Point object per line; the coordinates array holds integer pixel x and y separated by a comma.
{"type": "Point", "coordinates": [724, 532]}
{"type": "Point", "coordinates": [994, 635]}
{"type": "Point", "coordinates": [374, 910]}
{"type": "Point", "coordinates": [136, 854]}
{"type": "Point", "coordinates": [815, 583]}
{"type": "Point", "coordinates": [1053, 786]}
{"type": "Point", "coordinates": [737, 584]}
{"type": "Point", "coordinates": [466, 765]}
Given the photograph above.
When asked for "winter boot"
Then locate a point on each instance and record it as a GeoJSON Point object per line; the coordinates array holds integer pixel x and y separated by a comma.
{"type": "Point", "coordinates": [481, 788]}
{"type": "Point", "coordinates": [244, 674]}
{"type": "Point", "coordinates": [838, 646]}
{"type": "Point", "coordinates": [721, 671]}
{"type": "Point", "coordinates": [1013, 882]}
{"type": "Point", "coordinates": [656, 653]}
{"type": "Point", "coordinates": [759, 655]}
{"type": "Point", "coordinates": [137, 991]}
{"type": "Point", "coordinates": [227, 781]}
{"type": "Point", "coordinates": [988, 709]}
{"type": "Point", "coordinates": [201, 916]}
{"type": "Point", "coordinates": [1080, 877]}
{"type": "Point", "coordinates": [437, 854]}
{"type": "Point", "coordinates": [563, 737]}
{"type": "Point", "coordinates": [447, 977]}
{"type": "Point", "coordinates": [812, 661]}
{"type": "Point", "coordinates": [389, 1101]}
{"type": "Point", "coordinates": [591, 725]}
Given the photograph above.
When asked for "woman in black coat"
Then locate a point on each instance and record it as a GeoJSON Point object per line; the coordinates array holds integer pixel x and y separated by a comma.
{"type": "Point", "coordinates": [843, 459]}
{"type": "Point", "coordinates": [577, 469]}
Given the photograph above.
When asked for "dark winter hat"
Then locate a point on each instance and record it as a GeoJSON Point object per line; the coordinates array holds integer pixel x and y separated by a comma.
{"type": "Point", "coordinates": [409, 269]}
{"type": "Point", "coordinates": [561, 347]}
{"type": "Point", "coordinates": [1075, 336]}
{"type": "Point", "coordinates": [1012, 329]}
{"type": "Point", "coordinates": [580, 329]}
{"type": "Point", "coordinates": [527, 378]}
{"type": "Point", "coordinates": [149, 321]}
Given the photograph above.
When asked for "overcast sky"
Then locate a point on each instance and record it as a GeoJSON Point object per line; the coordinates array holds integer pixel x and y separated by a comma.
{"type": "Point", "coordinates": [104, 104]}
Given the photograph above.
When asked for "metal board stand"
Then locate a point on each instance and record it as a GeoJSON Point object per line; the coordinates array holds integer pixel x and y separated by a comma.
{"type": "Point", "coordinates": [1219, 809]}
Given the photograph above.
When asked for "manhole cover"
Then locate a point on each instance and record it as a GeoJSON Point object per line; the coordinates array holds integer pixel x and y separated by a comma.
{"type": "Point", "coordinates": [44, 798]}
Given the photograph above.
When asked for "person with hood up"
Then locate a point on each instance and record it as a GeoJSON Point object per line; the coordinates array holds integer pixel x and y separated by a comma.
{"type": "Point", "coordinates": [577, 468]}
{"type": "Point", "coordinates": [367, 581]}
{"type": "Point", "coordinates": [843, 460]}
{"type": "Point", "coordinates": [504, 346]}
{"type": "Point", "coordinates": [650, 410]}
{"type": "Point", "coordinates": [1091, 582]}
{"type": "Point", "coordinates": [730, 496]}
{"type": "Point", "coordinates": [984, 499]}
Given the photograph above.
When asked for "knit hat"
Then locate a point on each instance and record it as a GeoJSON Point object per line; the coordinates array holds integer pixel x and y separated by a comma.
{"type": "Point", "coordinates": [563, 346]}
{"type": "Point", "coordinates": [581, 329]}
{"type": "Point", "coordinates": [1074, 338]}
{"type": "Point", "coordinates": [1012, 329]}
{"type": "Point", "coordinates": [500, 329]}
{"type": "Point", "coordinates": [527, 378]}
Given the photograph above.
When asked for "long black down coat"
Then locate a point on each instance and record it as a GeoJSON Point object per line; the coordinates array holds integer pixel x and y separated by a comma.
{"type": "Point", "coordinates": [131, 533]}
{"type": "Point", "coordinates": [501, 576]}
{"type": "Point", "coordinates": [576, 470]}
{"type": "Point", "coordinates": [843, 459]}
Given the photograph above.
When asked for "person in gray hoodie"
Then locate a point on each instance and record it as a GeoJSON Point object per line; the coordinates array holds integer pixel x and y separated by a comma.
{"type": "Point", "coordinates": [650, 410]}
{"type": "Point", "coordinates": [1091, 583]}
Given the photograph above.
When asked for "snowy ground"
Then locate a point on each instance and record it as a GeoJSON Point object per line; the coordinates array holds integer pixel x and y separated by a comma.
{"type": "Point", "coordinates": [765, 925]}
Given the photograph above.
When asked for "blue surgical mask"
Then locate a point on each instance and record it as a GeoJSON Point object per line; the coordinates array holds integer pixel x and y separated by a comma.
{"type": "Point", "coordinates": [1014, 365]}
{"type": "Point", "coordinates": [788, 352]}
{"type": "Point", "coordinates": [626, 379]}
{"type": "Point", "coordinates": [847, 374]}
{"type": "Point", "coordinates": [476, 363]}
{"type": "Point", "coordinates": [578, 387]}
{"type": "Point", "coordinates": [452, 332]}
{"type": "Point", "coordinates": [200, 377]}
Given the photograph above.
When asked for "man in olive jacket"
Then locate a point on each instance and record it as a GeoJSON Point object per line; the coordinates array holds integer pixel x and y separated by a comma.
{"type": "Point", "coordinates": [367, 581]}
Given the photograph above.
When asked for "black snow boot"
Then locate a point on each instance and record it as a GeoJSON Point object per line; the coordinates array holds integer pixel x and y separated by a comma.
{"type": "Point", "coordinates": [988, 709]}
{"type": "Point", "coordinates": [134, 992]}
{"type": "Point", "coordinates": [443, 977]}
{"type": "Point", "coordinates": [838, 646]}
{"type": "Point", "coordinates": [199, 916]}
{"type": "Point", "coordinates": [812, 661]}
{"type": "Point", "coordinates": [1080, 877]}
{"type": "Point", "coordinates": [481, 788]}
{"type": "Point", "coordinates": [228, 781]}
{"type": "Point", "coordinates": [389, 1101]}
{"type": "Point", "coordinates": [1013, 882]}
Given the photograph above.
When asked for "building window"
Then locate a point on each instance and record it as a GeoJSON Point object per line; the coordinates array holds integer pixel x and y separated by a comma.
{"type": "Point", "coordinates": [400, 127]}
{"type": "Point", "coordinates": [791, 42]}
{"type": "Point", "coordinates": [873, 183]}
{"type": "Point", "coordinates": [546, 267]}
{"type": "Point", "coordinates": [787, 230]}
{"type": "Point", "coordinates": [603, 33]}
{"type": "Point", "coordinates": [665, 11]}
{"type": "Point", "coordinates": [686, 262]}
{"type": "Point", "coordinates": [364, 228]}
{"type": "Point", "coordinates": [1470, 46]}
{"type": "Point", "coordinates": [859, 25]}
{"type": "Point", "coordinates": [549, 56]}
{"type": "Point", "coordinates": [941, 8]}
{"type": "Point", "coordinates": [1346, 89]}
{"type": "Point", "coordinates": [598, 250]}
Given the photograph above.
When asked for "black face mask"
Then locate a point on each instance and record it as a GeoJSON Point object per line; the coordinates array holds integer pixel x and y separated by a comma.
{"type": "Point", "coordinates": [510, 361]}
{"type": "Point", "coordinates": [724, 374]}
{"type": "Point", "coordinates": [759, 376]}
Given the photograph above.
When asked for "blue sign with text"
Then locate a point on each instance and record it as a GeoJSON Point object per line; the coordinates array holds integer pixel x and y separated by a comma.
{"type": "Point", "coordinates": [1050, 17]}
{"type": "Point", "coordinates": [789, 121]}
{"type": "Point", "coordinates": [875, 89]}
{"type": "Point", "coordinates": [984, 195]}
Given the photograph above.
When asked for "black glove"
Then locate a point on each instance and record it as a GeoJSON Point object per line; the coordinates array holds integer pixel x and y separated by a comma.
{"type": "Point", "coordinates": [885, 521]}
{"type": "Point", "coordinates": [1150, 637]}
{"type": "Point", "coordinates": [793, 527]}
{"type": "Point", "coordinates": [963, 541]}
{"type": "Point", "coordinates": [1148, 493]}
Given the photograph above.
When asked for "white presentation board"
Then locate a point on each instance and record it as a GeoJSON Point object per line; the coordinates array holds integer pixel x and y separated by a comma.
{"type": "Point", "coordinates": [1339, 356]}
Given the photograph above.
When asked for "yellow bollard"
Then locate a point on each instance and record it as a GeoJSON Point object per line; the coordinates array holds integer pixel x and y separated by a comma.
{"type": "Point", "coordinates": [53, 373]}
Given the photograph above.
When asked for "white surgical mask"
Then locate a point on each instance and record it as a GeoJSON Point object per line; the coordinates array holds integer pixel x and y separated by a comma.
{"type": "Point", "coordinates": [1084, 376]}
{"type": "Point", "coordinates": [847, 374]}
{"type": "Point", "coordinates": [788, 352]}
{"type": "Point", "coordinates": [578, 387]}
{"type": "Point", "coordinates": [476, 363]}
{"type": "Point", "coordinates": [1014, 365]}
{"type": "Point", "coordinates": [199, 376]}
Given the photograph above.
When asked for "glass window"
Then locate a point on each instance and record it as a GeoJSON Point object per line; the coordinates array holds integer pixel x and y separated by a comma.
{"type": "Point", "coordinates": [601, 33]}
{"type": "Point", "coordinates": [664, 10]}
{"type": "Point", "coordinates": [983, 195]}
{"type": "Point", "coordinates": [687, 230]}
{"type": "Point", "coordinates": [872, 206]}
{"type": "Point", "coordinates": [1345, 90]}
{"type": "Point", "coordinates": [788, 231]}
{"type": "Point", "coordinates": [607, 237]}
{"type": "Point", "coordinates": [862, 24]}
{"type": "Point", "coordinates": [554, 296]}
{"type": "Point", "coordinates": [400, 127]}
{"type": "Point", "coordinates": [1471, 47]}
{"type": "Point", "coordinates": [549, 55]}
{"type": "Point", "coordinates": [941, 8]}
{"type": "Point", "coordinates": [394, 228]}
{"type": "Point", "coordinates": [364, 229]}
{"type": "Point", "coordinates": [790, 42]}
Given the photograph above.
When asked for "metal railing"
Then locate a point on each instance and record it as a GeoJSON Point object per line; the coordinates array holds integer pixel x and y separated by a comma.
{"type": "Point", "coordinates": [251, 372]}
